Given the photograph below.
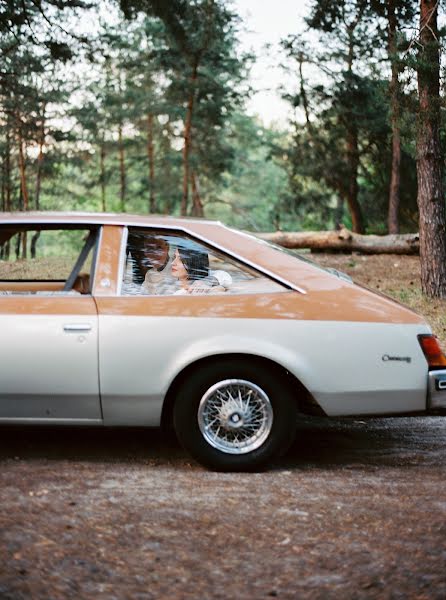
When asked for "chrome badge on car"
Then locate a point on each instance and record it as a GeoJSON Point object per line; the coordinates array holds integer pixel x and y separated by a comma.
{"type": "Point", "coordinates": [388, 357]}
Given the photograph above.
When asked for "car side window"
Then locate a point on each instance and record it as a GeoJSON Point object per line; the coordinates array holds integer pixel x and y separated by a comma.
{"type": "Point", "coordinates": [46, 261]}
{"type": "Point", "coordinates": [164, 264]}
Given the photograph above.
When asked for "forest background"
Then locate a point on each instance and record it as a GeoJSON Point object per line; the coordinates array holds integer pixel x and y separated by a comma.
{"type": "Point", "coordinates": [140, 106]}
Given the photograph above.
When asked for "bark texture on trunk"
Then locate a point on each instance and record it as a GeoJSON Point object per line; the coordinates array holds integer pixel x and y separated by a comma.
{"type": "Point", "coordinates": [8, 206]}
{"type": "Point", "coordinates": [7, 186]}
{"type": "Point", "coordinates": [197, 204]}
{"type": "Point", "coordinates": [22, 170]}
{"type": "Point", "coordinates": [40, 158]}
{"type": "Point", "coordinates": [40, 161]}
{"type": "Point", "coordinates": [150, 158]}
{"type": "Point", "coordinates": [431, 201]}
{"type": "Point", "coordinates": [303, 94]}
{"type": "Point", "coordinates": [345, 241]}
{"type": "Point", "coordinates": [352, 147]}
{"type": "Point", "coordinates": [3, 184]}
{"type": "Point", "coordinates": [352, 187]}
{"type": "Point", "coordinates": [395, 176]}
{"type": "Point", "coordinates": [18, 245]}
{"type": "Point", "coordinates": [23, 186]}
{"type": "Point", "coordinates": [187, 135]}
{"type": "Point", "coordinates": [33, 245]}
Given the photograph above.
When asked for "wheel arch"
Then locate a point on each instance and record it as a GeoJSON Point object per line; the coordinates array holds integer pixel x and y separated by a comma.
{"type": "Point", "coordinates": [304, 399]}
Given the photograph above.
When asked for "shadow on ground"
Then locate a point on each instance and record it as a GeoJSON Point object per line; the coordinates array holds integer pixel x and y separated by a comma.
{"type": "Point", "coordinates": [320, 442]}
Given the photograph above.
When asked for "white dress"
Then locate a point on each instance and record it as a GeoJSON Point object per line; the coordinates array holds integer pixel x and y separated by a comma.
{"type": "Point", "coordinates": [160, 283]}
{"type": "Point", "coordinates": [155, 282]}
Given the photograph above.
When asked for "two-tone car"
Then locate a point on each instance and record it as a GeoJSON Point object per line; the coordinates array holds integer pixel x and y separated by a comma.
{"type": "Point", "coordinates": [95, 331]}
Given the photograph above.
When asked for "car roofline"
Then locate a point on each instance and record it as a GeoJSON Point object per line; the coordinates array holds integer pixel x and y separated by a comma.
{"type": "Point", "coordinates": [97, 218]}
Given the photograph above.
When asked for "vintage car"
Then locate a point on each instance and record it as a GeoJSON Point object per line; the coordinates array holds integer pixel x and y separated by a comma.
{"type": "Point", "coordinates": [122, 320]}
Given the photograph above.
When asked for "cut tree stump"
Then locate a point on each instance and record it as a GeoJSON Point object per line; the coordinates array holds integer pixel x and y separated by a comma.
{"type": "Point", "coordinates": [344, 240]}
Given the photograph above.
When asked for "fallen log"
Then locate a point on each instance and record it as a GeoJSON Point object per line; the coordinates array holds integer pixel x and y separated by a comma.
{"type": "Point", "coordinates": [344, 240]}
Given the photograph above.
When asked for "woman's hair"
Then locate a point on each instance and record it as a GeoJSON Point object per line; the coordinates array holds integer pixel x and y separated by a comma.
{"type": "Point", "coordinates": [196, 263]}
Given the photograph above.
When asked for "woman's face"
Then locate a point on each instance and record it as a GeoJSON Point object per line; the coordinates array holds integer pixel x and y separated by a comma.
{"type": "Point", "coordinates": [178, 269]}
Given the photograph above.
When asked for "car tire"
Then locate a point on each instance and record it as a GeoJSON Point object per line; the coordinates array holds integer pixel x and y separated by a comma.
{"type": "Point", "coordinates": [232, 416]}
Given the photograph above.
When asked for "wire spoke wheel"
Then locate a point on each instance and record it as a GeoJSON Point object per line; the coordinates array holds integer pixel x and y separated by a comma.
{"type": "Point", "coordinates": [235, 416]}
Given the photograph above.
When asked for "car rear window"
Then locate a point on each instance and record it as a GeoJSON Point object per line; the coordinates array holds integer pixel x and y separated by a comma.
{"type": "Point", "coordinates": [150, 269]}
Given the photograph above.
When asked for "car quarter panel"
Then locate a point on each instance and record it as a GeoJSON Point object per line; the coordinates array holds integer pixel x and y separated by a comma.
{"type": "Point", "coordinates": [340, 362]}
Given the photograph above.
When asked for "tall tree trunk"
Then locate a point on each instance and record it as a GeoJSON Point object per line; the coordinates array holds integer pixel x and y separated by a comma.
{"type": "Point", "coordinates": [33, 245]}
{"type": "Point", "coordinates": [197, 204]}
{"type": "Point", "coordinates": [187, 135]}
{"type": "Point", "coordinates": [352, 184]}
{"type": "Point", "coordinates": [7, 246]}
{"type": "Point", "coordinates": [8, 169]}
{"type": "Point", "coordinates": [36, 234]}
{"type": "Point", "coordinates": [303, 94]}
{"type": "Point", "coordinates": [122, 172]}
{"type": "Point", "coordinates": [23, 185]}
{"type": "Point", "coordinates": [18, 244]}
{"type": "Point", "coordinates": [339, 212]}
{"type": "Point", "coordinates": [352, 148]}
{"type": "Point", "coordinates": [150, 157]}
{"type": "Point", "coordinates": [4, 183]}
{"type": "Point", "coordinates": [40, 161]}
{"type": "Point", "coordinates": [2, 246]}
{"type": "Point", "coordinates": [102, 174]}
{"type": "Point", "coordinates": [169, 200]}
{"type": "Point", "coordinates": [395, 177]}
{"type": "Point", "coordinates": [22, 170]}
{"type": "Point", "coordinates": [431, 202]}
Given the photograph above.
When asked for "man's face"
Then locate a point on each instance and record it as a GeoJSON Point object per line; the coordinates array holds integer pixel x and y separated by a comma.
{"type": "Point", "coordinates": [154, 253]}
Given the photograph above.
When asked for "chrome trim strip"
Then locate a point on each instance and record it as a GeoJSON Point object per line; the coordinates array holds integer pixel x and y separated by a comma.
{"type": "Point", "coordinates": [75, 327]}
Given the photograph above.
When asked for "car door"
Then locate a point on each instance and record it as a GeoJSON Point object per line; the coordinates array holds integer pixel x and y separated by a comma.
{"type": "Point", "coordinates": [148, 329]}
{"type": "Point", "coordinates": [49, 351]}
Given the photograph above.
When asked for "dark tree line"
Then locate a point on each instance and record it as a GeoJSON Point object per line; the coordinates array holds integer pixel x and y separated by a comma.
{"type": "Point", "coordinates": [147, 115]}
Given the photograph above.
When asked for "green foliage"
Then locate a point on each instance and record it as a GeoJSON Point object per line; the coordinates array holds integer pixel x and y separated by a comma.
{"type": "Point", "coordinates": [105, 125]}
{"type": "Point", "coordinates": [250, 192]}
{"type": "Point", "coordinates": [342, 136]}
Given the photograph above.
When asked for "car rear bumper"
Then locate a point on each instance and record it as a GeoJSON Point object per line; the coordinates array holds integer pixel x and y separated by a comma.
{"type": "Point", "coordinates": [436, 400]}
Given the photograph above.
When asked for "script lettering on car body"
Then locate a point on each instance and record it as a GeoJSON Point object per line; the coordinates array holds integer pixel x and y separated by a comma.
{"type": "Point", "coordinates": [388, 357]}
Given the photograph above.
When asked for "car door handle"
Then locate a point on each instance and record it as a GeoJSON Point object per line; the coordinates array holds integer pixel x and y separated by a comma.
{"type": "Point", "coordinates": [76, 327]}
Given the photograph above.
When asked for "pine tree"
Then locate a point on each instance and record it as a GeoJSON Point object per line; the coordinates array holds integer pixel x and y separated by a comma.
{"type": "Point", "coordinates": [430, 157]}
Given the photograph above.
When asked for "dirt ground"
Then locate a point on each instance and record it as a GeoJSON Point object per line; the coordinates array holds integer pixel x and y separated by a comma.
{"type": "Point", "coordinates": [356, 509]}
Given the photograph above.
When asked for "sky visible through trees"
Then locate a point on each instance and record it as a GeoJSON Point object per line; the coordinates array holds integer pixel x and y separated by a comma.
{"type": "Point", "coordinates": [146, 106]}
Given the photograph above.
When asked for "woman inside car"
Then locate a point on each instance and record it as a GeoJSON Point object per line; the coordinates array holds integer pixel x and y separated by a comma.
{"type": "Point", "coordinates": [191, 268]}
